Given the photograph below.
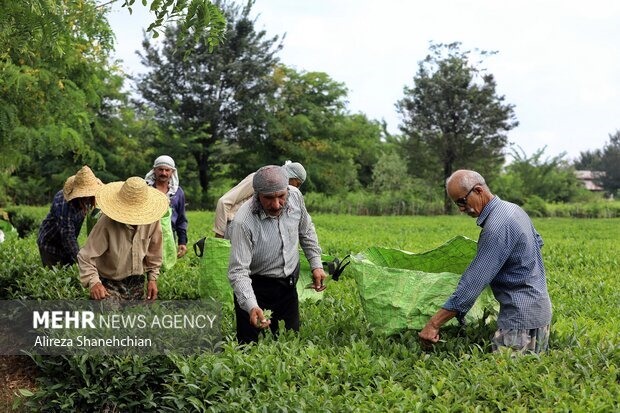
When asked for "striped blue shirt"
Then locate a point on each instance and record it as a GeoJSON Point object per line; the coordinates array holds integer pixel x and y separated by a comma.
{"type": "Point", "coordinates": [269, 246]}
{"type": "Point", "coordinates": [509, 260]}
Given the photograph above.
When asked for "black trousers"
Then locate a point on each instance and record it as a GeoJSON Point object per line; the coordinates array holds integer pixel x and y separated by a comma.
{"type": "Point", "coordinates": [50, 260]}
{"type": "Point", "coordinates": [276, 294]}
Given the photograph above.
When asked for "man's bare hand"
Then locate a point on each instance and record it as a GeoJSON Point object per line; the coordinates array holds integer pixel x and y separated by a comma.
{"type": "Point", "coordinates": [151, 290]}
{"type": "Point", "coordinates": [258, 319]}
{"type": "Point", "coordinates": [98, 292]}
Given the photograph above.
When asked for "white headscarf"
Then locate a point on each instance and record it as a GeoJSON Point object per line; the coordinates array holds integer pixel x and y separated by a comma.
{"type": "Point", "coordinates": [295, 170]}
{"type": "Point", "coordinates": [164, 160]}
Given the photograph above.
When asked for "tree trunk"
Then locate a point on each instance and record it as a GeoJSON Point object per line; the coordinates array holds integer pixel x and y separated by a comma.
{"type": "Point", "coordinates": [447, 171]}
{"type": "Point", "coordinates": [202, 159]}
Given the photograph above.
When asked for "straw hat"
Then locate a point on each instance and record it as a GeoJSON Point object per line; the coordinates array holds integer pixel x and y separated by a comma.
{"type": "Point", "coordinates": [83, 184]}
{"type": "Point", "coordinates": [132, 202]}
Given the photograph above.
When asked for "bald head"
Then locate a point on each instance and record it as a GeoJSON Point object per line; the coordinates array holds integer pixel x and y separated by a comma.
{"type": "Point", "coordinates": [464, 179]}
{"type": "Point", "coordinates": [469, 191]}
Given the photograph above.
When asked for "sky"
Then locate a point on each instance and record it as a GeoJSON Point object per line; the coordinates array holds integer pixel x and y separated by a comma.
{"type": "Point", "coordinates": [557, 62]}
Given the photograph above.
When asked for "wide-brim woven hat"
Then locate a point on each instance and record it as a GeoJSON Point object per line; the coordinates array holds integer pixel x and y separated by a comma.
{"type": "Point", "coordinates": [83, 184]}
{"type": "Point", "coordinates": [132, 202]}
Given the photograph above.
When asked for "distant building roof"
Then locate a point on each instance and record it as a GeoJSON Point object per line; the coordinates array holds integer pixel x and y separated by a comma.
{"type": "Point", "coordinates": [588, 178]}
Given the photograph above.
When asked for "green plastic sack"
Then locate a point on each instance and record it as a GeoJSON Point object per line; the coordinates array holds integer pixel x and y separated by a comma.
{"type": "Point", "coordinates": [169, 244]}
{"type": "Point", "coordinates": [214, 273]}
{"type": "Point", "coordinates": [401, 290]}
{"type": "Point", "coordinates": [91, 219]}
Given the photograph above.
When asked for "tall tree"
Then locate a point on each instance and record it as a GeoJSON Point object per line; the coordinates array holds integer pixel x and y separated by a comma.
{"type": "Point", "coordinates": [206, 98]}
{"type": "Point", "coordinates": [309, 123]}
{"type": "Point", "coordinates": [610, 164]}
{"type": "Point", "coordinates": [53, 62]}
{"type": "Point", "coordinates": [453, 117]}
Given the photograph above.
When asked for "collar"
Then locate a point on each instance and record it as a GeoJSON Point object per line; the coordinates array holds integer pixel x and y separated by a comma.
{"type": "Point", "coordinates": [486, 211]}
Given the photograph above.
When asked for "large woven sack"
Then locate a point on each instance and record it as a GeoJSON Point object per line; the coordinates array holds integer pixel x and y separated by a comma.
{"type": "Point", "coordinates": [169, 243]}
{"type": "Point", "coordinates": [214, 282]}
{"type": "Point", "coordinates": [401, 290]}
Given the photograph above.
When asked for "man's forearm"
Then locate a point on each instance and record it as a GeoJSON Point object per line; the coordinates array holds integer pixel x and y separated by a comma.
{"type": "Point", "coordinates": [441, 317]}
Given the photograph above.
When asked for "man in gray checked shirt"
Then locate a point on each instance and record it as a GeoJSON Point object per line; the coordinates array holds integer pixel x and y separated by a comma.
{"type": "Point", "coordinates": [509, 260]}
{"type": "Point", "coordinates": [264, 259]}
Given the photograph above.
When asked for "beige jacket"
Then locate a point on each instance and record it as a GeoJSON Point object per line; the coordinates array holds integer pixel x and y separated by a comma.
{"type": "Point", "coordinates": [115, 251]}
{"type": "Point", "coordinates": [230, 202]}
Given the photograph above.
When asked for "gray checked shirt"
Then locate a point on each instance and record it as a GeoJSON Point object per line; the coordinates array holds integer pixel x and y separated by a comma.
{"type": "Point", "coordinates": [510, 261]}
{"type": "Point", "coordinates": [269, 246]}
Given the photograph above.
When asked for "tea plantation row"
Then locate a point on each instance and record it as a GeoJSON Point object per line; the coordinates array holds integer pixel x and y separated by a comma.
{"type": "Point", "coordinates": [335, 363]}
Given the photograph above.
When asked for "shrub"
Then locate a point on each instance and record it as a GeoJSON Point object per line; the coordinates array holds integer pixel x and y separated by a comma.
{"type": "Point", "coordinates": [535, 206]}
{"type": "Point", "coordinates": [100, 383]}
{"type": "Point", "coordinates": [25, 219]}
{"type": "Point", "coordinates": [336, 362]}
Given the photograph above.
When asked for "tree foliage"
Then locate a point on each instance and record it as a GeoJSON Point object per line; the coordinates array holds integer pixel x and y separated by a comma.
{"type": "Point", "coordinates": [62, 103]}
{"type": "Point", "coordinates": [610, 164]}
{"type": "Point", "coordinates": [198, 18]}
{"type": "Point", "coordinates": [223, 112]}
{"type": "Point", "coordinates": [53, 67]}
{"type": "Point", "coordinates": [390, 174]}
{"type": "Point", "coordinates": [550, 179]}
{"type": "Point", "coordinates": [606, 160]}
{"type": "Point", "coordinates": [310, 124]}
{"type": "Point", "coordinates": [453, 118]}
{"type": "Point", "coordinates": [205, 99]}
{"type": "Point", "coordinates": [589, 160]}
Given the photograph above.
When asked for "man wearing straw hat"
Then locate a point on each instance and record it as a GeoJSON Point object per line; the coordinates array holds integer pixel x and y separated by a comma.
{"type": "Point", "coordinates": [59, 231]}
{"type": "Point", "coordinates": [264, 257]}
{"type": "Point", "coordinates": [125, 243]}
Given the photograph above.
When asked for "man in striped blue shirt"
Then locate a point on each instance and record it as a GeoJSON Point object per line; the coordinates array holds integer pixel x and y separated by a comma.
{"type": "Point", "coordinates": [263, 269]}
{"type": "Point", "coordinates": [509, 260]}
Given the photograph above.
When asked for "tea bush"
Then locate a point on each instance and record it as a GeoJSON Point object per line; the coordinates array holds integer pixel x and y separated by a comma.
{"type": "Point", "coordinates": [336, 363]}
{"type": "Point", "coordinates": [26, 219]}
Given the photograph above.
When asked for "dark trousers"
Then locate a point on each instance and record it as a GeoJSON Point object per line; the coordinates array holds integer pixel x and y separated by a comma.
{"type": "Point", "coordinates": [276, 294]}
{"type": "Point", "coordinates": [48, 259]}
{"type": "Point", "coordinates": [130, 288]}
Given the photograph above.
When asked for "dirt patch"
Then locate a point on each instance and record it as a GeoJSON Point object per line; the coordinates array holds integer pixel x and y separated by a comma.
{"type": "Point", "coordinates": [16, 372]}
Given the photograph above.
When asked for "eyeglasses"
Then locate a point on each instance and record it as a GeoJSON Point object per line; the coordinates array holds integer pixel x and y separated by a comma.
{"type": "Point", "coordinates": [462, 202]}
